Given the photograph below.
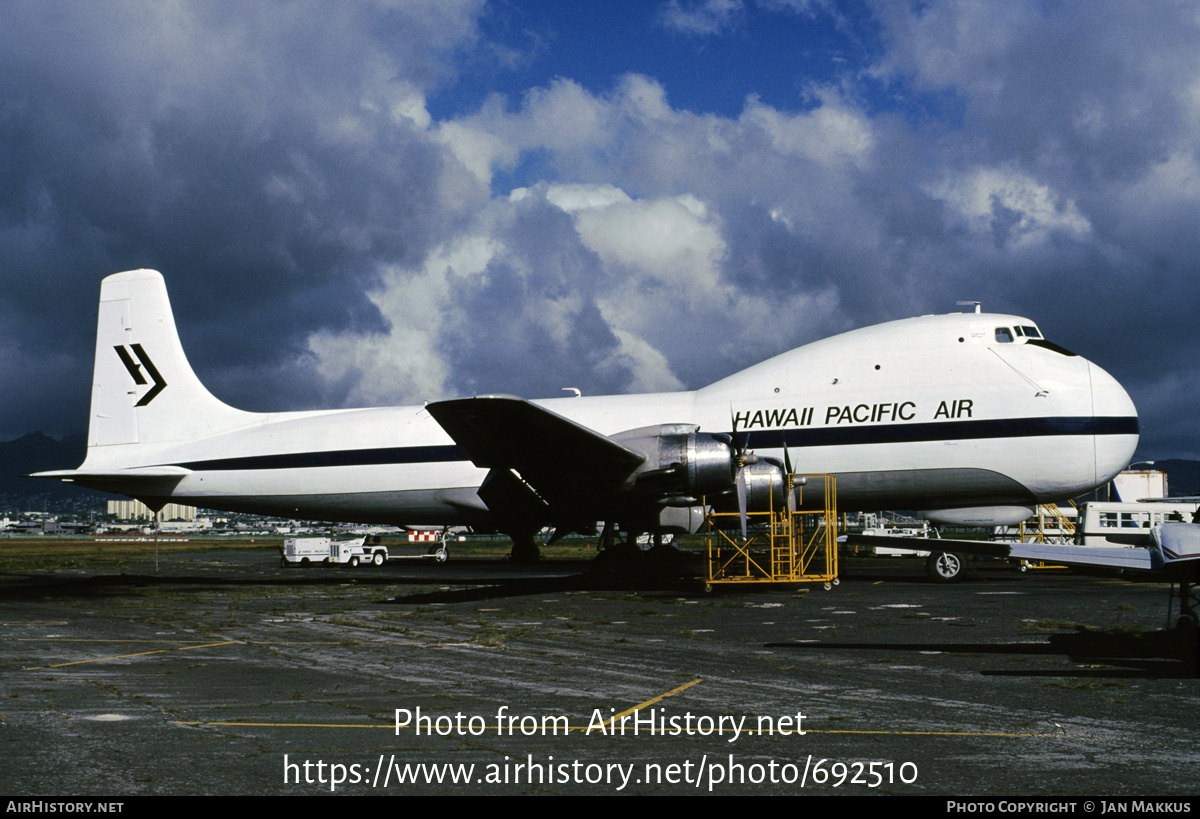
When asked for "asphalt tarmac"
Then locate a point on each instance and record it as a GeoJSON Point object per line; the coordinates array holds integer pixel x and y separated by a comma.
{"type": "Point", "coordinates": [225, 674]}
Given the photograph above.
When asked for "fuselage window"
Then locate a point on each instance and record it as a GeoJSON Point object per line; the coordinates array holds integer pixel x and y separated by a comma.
{"type": "Point", "coordinates": [1004, 335]}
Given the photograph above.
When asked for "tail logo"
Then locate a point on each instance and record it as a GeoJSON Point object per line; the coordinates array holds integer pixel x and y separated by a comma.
{"type": "Point", "coordinates": [135, 371]}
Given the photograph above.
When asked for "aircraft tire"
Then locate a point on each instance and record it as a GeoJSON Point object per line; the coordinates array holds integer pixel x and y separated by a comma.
{"type": "Point", "coordinates": [946, 567]}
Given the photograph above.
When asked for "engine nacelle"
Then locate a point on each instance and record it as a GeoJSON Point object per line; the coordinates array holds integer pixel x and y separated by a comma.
{"type": "Point", "coordinates": [682, 464]}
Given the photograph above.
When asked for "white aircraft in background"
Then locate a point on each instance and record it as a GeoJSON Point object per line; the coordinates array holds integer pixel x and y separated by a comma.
{"type": "Point", "coordinates": [975, 418]}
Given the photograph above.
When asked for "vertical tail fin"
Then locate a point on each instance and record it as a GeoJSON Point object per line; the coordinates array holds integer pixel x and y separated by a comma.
{"type": "Point", "coordinates": [143, 389]}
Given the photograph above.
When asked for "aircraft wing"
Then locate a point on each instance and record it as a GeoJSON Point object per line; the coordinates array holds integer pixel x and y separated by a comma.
{"type": "Point", "coordinates": [972, 547]}
{"type": "Point", "coordinates": [564, 462]}
{"type": "Point", "coordinates": [1117, 557]}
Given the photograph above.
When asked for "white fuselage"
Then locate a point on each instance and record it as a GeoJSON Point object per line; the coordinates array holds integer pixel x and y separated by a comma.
{"type": "Point", "coordinates": [927, 412]}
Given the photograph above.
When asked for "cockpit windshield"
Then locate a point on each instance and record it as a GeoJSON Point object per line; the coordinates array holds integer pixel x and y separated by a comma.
{"type": "Point", "coordinates": [1028, 334]}
{"type": "Point", "coordinates": [1007, 335]}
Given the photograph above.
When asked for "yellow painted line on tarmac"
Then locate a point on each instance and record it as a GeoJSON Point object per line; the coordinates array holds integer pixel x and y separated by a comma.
{"type": "Point", "coordinates": [201, 644]}
{"type": "Point", "coordinates": [282, 725]}
{"type": "Point", "coordinates": [498, 729]}
{"type": "Point", "coordinates": [148, 640]}
{"type": "Point", "coordinates": [640, 706]}
{"type": "Point", "coordinates": [136, 654]}
{"type": "Point", "coordinates": [554, 730]}
{"type": "Point", "coordinates": [926, 733]}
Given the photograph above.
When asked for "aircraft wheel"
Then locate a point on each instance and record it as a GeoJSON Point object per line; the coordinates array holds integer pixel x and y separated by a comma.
{"type": "Point", "coordinates": [378, 559]}
{"type": "Point", "coordinates": [946, 567]}
{"type": "Point", "coordinates": [439, 554]}
{"type": "Point", "coordinates": [354, 561]}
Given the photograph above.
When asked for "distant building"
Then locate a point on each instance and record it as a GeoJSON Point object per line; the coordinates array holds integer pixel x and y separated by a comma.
{"type": "Point", "coordinates": [1135, 484]}
{"type": "Point", "coordinates": [136, 510]}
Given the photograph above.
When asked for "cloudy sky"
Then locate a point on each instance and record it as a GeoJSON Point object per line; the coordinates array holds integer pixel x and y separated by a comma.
{"type": "Point", "coordinates": [388, 202]}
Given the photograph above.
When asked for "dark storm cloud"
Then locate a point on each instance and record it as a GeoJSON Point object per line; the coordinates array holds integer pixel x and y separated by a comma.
{"type": "Point", "coordinates": [326, 241]}
{"type": "Point", "coordinates": [529, 323]}
{"type": "Point", "coordinates": [1099, 102]}
{"type": "Point", "coordinates": [259, 155]}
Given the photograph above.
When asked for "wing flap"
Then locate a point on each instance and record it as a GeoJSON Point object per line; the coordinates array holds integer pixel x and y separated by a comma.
{"type": "Point", "coordinates": [565, 462]}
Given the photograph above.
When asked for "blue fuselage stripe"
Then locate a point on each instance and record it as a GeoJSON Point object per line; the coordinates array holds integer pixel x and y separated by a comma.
{"type": "Point", "coordinates": [337, 457]}
{"type": "Point", "coordinates": [799, 438]}
{"type": "Point", "coordinates": [943, 431]}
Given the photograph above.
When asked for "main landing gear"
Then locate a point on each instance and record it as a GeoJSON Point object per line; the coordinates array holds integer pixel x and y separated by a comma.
{"type": "Point", "coordinates": [525, 548]}
{"type": "Point", "coordinates": [946, 567]}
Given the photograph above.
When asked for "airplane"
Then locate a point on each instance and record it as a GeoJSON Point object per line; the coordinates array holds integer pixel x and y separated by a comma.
{"type": "Point", "coordinates": [971, 417]}
{"type": "Point", "coordinates": [1173, 553]}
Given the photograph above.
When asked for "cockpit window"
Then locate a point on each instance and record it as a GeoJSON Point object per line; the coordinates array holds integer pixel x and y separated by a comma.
{"type": "Point", "coordinates": [1028, 332]}
{"type": "Point", "coordinates": [1004, 335]}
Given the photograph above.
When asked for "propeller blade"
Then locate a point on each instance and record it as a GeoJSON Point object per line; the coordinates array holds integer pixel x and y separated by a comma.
{"type": "Point", "coordinates": [739, 442]}
{"type": "Point", "coordinates": [741, 496]}
{"type": "Point", "coordinates": [787, 479]}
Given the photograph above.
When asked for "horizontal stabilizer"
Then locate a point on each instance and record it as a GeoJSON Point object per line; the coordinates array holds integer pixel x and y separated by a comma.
{"type": "Point", "coordinates": [143, 482]}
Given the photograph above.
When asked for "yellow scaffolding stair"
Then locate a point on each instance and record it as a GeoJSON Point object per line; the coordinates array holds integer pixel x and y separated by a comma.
{"type": "Point", "coordinates": [782, 546]}
{"type": "Point", "coordinates": [1062, 528]}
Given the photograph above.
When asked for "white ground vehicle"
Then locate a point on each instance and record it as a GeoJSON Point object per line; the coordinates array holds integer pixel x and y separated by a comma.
{"type": "Point", "coordinates": [307, 551]}
{"type": "Point", "coordinates": [1128, 524]}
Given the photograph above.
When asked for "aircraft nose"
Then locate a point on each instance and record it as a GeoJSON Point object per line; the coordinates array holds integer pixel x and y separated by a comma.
{"type": "Point", "coordinates": [1116, 424]}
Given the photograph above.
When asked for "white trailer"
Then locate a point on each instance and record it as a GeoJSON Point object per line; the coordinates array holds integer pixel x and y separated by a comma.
{"type": "Point", "coordinates": [308, 551]}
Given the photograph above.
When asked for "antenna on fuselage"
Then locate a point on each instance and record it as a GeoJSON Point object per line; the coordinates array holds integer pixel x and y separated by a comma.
{"type": "Point", "coordinates": [977, 305]}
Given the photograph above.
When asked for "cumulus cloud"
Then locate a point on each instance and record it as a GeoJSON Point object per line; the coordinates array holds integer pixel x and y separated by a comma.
{"type": "Point", "coordinates": [329, 240]}
{"type": "Point", "coordinates": [1013, 209]}
{"type": "Point", "coordinates": [699, 18]}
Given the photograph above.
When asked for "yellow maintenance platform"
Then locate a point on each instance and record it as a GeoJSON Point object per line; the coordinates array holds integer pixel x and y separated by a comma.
{"type": "Point", "coordinates": [796, 544]}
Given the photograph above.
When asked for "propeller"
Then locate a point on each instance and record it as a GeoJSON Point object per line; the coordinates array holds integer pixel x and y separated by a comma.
{"type": "Point", "coordinates": [741, 458]}
{"type": "Point", "coordinates": [787, 472]}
